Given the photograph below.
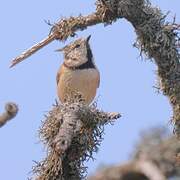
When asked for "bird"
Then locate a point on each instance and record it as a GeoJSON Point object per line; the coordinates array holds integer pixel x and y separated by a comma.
{"type": "Point", "coordinates": [78, 74]}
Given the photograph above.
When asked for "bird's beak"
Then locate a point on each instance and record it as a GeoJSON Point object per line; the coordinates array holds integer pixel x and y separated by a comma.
{"type": "Point", "coordinates": [88, 38]}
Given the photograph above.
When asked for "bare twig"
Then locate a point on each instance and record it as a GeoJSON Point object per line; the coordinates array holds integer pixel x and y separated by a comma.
{"type": "Point", "coordinates": [33, 49]}
{"type": "Point", "coordinates": [11, 110]}
{"type": "Point", "coordinates": [61, 30]}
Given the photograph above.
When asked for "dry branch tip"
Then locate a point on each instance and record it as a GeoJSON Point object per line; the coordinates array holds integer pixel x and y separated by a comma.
{"type": "Point", "coordinates": [11, 109]}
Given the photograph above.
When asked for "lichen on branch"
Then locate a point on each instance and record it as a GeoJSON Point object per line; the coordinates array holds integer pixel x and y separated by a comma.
{"type": "Point", "coordinates": [156, 38]}
{"type": "Point", "coordinates": [72, 132]}
{"type": "Point", "coordinates": [153, 158]}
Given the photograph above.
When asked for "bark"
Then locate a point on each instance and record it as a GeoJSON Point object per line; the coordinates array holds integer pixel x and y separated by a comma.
{"type": "Point", "coordinates": [156, 38]}
{"type": "Point", "coordinates": [72, 132]}
{"type": "Point", "coordinates": [153, 159]}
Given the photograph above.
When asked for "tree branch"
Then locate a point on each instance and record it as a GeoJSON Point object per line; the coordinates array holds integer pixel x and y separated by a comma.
{"type": "Point", "coordinates": [33, 49]}
{"type": "Point", "coordinates": [154, 39]}
{"type": "Point", "coordinates": [11, 109]}
{"type": "Point", "coordinates": [133, 170]}
{"type": "Point", "coordinates": [72, 132]}
{"type": "Point", "coordinates": [149, 169]}
{"type": "Point", "coordinates": [153, 159]}
{"type": "Point", "coordinates": [67, 27]}
{"type": "Point", "coordinates": [61, 30]}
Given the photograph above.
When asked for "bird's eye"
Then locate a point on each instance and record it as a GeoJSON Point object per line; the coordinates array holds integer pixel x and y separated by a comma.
{"type": "Point", "coordinates": [77, 46]}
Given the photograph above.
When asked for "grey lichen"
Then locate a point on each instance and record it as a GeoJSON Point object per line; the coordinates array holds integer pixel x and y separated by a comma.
{"type": "Point", "coordinates": [153, 158]}
{"type": "Point", "coordinates": [72, 132]}
{"type": "Point", "coordinates": [161, 148]}
{"type": "Point", "coordinates": [158, 40]}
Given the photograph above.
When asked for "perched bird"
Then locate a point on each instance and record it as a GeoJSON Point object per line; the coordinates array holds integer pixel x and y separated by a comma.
{"type": "Point", "coordinates": [78, 73]}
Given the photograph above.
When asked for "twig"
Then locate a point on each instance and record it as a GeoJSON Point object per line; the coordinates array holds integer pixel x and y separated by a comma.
{"type": "Point", "coordinates": [32, 50]}
{"type": "Point", "coordinates": [11, 110]}
{"type": "Point", "coordinates": [61, 31]}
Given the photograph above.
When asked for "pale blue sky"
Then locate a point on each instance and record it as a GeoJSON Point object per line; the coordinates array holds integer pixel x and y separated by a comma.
{"type": "Point", "coordinates": [126, 82]}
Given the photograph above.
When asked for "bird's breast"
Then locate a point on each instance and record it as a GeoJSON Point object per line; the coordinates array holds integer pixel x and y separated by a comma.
{"type": "Point", "coordinates": [84, 81]}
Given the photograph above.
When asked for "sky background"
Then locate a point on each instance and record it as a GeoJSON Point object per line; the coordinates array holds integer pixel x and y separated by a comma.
{"type": "Point", "coordinates": [126, 82]}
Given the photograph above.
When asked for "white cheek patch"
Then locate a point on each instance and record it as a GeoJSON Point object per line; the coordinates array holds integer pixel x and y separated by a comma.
{"type": "Point", "coordinates": [70, 62]}
{"type": "Point", "coordinates": [83, 52]}
{"type": "Point", "coordinates": [77, 57]}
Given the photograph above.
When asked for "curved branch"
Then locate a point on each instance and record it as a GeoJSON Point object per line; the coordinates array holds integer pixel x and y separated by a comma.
{"type": "Point", "coordinates": [154, 38]}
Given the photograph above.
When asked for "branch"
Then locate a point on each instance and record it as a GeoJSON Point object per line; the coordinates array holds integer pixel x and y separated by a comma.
{"type": "Point", "coordinates": [160, 43]}
{"type": "Point", "coordinates": [71, 127]}
{"type": "Point", "coordinates": [154, 159]}
{"type": "Point", "coordinates": [149, 169]}
{"type": "Point", "coordinates": [71, 132]}
{"type": "Point", "coordinates": [134, 170]}
{"type": "Point", "coordinates": [11, 109]}
{"type": "Point", "coordinates": [155, 39]}
{"type": "Point", "coordinates": [62, 30]}
{"type": "Point", "coordinates": [32, 50]}
{"type": "Point", "coordinates": [67, 27]}
{"type": "Point", "coordinates": [159, 147]}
